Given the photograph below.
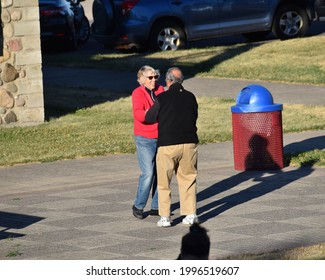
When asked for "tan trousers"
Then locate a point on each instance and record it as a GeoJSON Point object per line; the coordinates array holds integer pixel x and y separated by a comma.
{"type": "Point", "coordinates": [182, 159]}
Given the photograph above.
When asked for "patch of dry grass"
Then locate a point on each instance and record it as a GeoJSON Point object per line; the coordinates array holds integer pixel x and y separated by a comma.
{"type": "Point", "coordinates": [313, 252]}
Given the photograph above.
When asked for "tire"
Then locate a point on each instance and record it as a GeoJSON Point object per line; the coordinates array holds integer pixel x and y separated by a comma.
{"type": "Point", "coordinates": [84, 31]}
{"type": "Point", "coordinates": [290, 22]}
{"type": "Point", "coordinates": [72, 43]}
{"type": "Point", "coordinates": [256, 36]}
{"type": "Point", "coordinates": [167, 36]}
{"type": "Point", "coordinates": [104, 18]}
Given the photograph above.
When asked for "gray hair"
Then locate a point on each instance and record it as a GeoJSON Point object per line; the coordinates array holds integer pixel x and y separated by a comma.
{"type": "Point", "coordinates": [175, 75]}
{"type": "Point", "coordinates": [143, 71]}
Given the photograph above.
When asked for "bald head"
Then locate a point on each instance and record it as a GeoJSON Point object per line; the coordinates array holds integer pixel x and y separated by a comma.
{"type": "Point", "coordinates": [174, 75]}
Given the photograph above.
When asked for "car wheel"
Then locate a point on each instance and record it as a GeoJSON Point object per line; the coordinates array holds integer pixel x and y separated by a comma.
{"type": "Point", "coordinates": [167, 36]}
{"type": "Point", "coordinates": [104, 17]}
{"type": "Point", "coordinates": [256, 36]}
{"type": "Point", "coordinates": [84, 31]}
{"type": "Point", "coordinates": [290, 22]}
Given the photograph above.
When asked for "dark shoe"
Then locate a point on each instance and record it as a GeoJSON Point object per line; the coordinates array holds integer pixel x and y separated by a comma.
{"type": "Point", "coordinates": [138, 213]}
{"type": "Point", "coordinates": [154, 212]}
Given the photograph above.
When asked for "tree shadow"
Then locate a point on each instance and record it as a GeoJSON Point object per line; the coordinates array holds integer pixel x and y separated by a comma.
{"type": "Point", "coordinates": [118, 83]}
{"type": "Point", "coordinates": [10, 221]}
{"type": "Point", "coordinates": [60, 101]}
{"type": "Point", "coordinates": [79, 88]}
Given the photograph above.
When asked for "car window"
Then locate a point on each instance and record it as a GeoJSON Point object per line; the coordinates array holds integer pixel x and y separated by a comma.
{"type": "Point", "coordinates": [48, 1]}
{"type": "Point", "coordinates": [54, 1]}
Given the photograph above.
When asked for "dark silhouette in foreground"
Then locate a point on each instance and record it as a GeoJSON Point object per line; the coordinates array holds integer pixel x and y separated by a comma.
{"type": "Point", "coordinates": [195, 244]}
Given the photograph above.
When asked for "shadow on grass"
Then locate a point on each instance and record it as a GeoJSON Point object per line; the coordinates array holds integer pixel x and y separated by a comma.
{"type": "Point", "coordinates": [123, 81]}
{"type": "Point", "coordinates": [60, 101]}
{"type": "Point", "coordinates": [297, 148]}
{"type": "Point", "coordinates": [80, 88]}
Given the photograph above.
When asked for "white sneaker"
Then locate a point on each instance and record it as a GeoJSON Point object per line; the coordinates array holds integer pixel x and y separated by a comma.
{"type": "Point", "coordinates": [190, 219]}
{"type": "Point", "coordinates": [164, 222]}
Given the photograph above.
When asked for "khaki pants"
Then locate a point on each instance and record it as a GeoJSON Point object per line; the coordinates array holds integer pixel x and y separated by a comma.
{"type": "Point", "coordinates": [182, 159]}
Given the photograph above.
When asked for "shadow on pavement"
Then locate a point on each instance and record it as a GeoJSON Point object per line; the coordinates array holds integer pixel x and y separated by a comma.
{"type": "Point", "coordinates": [10, 221]}
{"type": "Point", "coordinates": [306, 145]}
{"type": "Point", "coordinates": [263, 186]}
{"type": "Point", "coordinates": [267, 181]}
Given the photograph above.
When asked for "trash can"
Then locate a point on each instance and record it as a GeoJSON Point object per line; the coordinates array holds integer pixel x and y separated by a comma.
{"type": "Point", "coordinates": [257, 130]}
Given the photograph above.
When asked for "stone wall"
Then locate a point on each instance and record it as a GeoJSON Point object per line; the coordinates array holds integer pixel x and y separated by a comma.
{"type": "Point", "coordinates": [21, 81]}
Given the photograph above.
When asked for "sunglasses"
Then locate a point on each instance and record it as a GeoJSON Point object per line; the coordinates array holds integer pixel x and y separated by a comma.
{"type": "Point", "coordinates": [151, 77]}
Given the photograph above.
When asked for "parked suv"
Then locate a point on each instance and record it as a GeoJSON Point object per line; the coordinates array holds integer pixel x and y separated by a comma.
{"type": "Point", "coordinates": [170, 24]}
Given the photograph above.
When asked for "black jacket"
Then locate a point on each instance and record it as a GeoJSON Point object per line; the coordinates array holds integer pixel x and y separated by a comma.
{"type": "Point", "coordinates": [176, 111]}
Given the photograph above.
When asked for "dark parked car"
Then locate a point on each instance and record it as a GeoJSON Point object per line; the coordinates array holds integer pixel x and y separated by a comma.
{"type": "Point", "coordinates": [170, 24]}
{"type": "Point", "coordinates": [63, 21]}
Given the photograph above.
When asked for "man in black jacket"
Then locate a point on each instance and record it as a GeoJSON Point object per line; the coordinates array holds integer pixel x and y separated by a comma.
{"type": "Point", "coordinates": [176, 111]}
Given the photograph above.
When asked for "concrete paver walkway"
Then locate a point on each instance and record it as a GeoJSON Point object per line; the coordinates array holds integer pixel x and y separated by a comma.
{"type": "Point", "coordinates": [81, 209]}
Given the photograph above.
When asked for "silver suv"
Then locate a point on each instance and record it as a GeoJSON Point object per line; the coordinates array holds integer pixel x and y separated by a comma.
{"type": "Point", "coordinates": [170, 24]}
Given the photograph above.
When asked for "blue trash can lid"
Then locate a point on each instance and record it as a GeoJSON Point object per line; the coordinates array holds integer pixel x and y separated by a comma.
{"type": "Point", "coordinates": [255, 98]}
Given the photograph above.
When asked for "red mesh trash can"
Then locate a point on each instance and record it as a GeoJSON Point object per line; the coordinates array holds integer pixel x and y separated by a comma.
{"type": "Point", "coordinates": [257, 130]}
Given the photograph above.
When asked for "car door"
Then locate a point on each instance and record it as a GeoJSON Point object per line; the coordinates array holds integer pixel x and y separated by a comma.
{"type": "Point", "coordinates": [238, 16]}
{"type": "Point", "coordinates": [199, 17]}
